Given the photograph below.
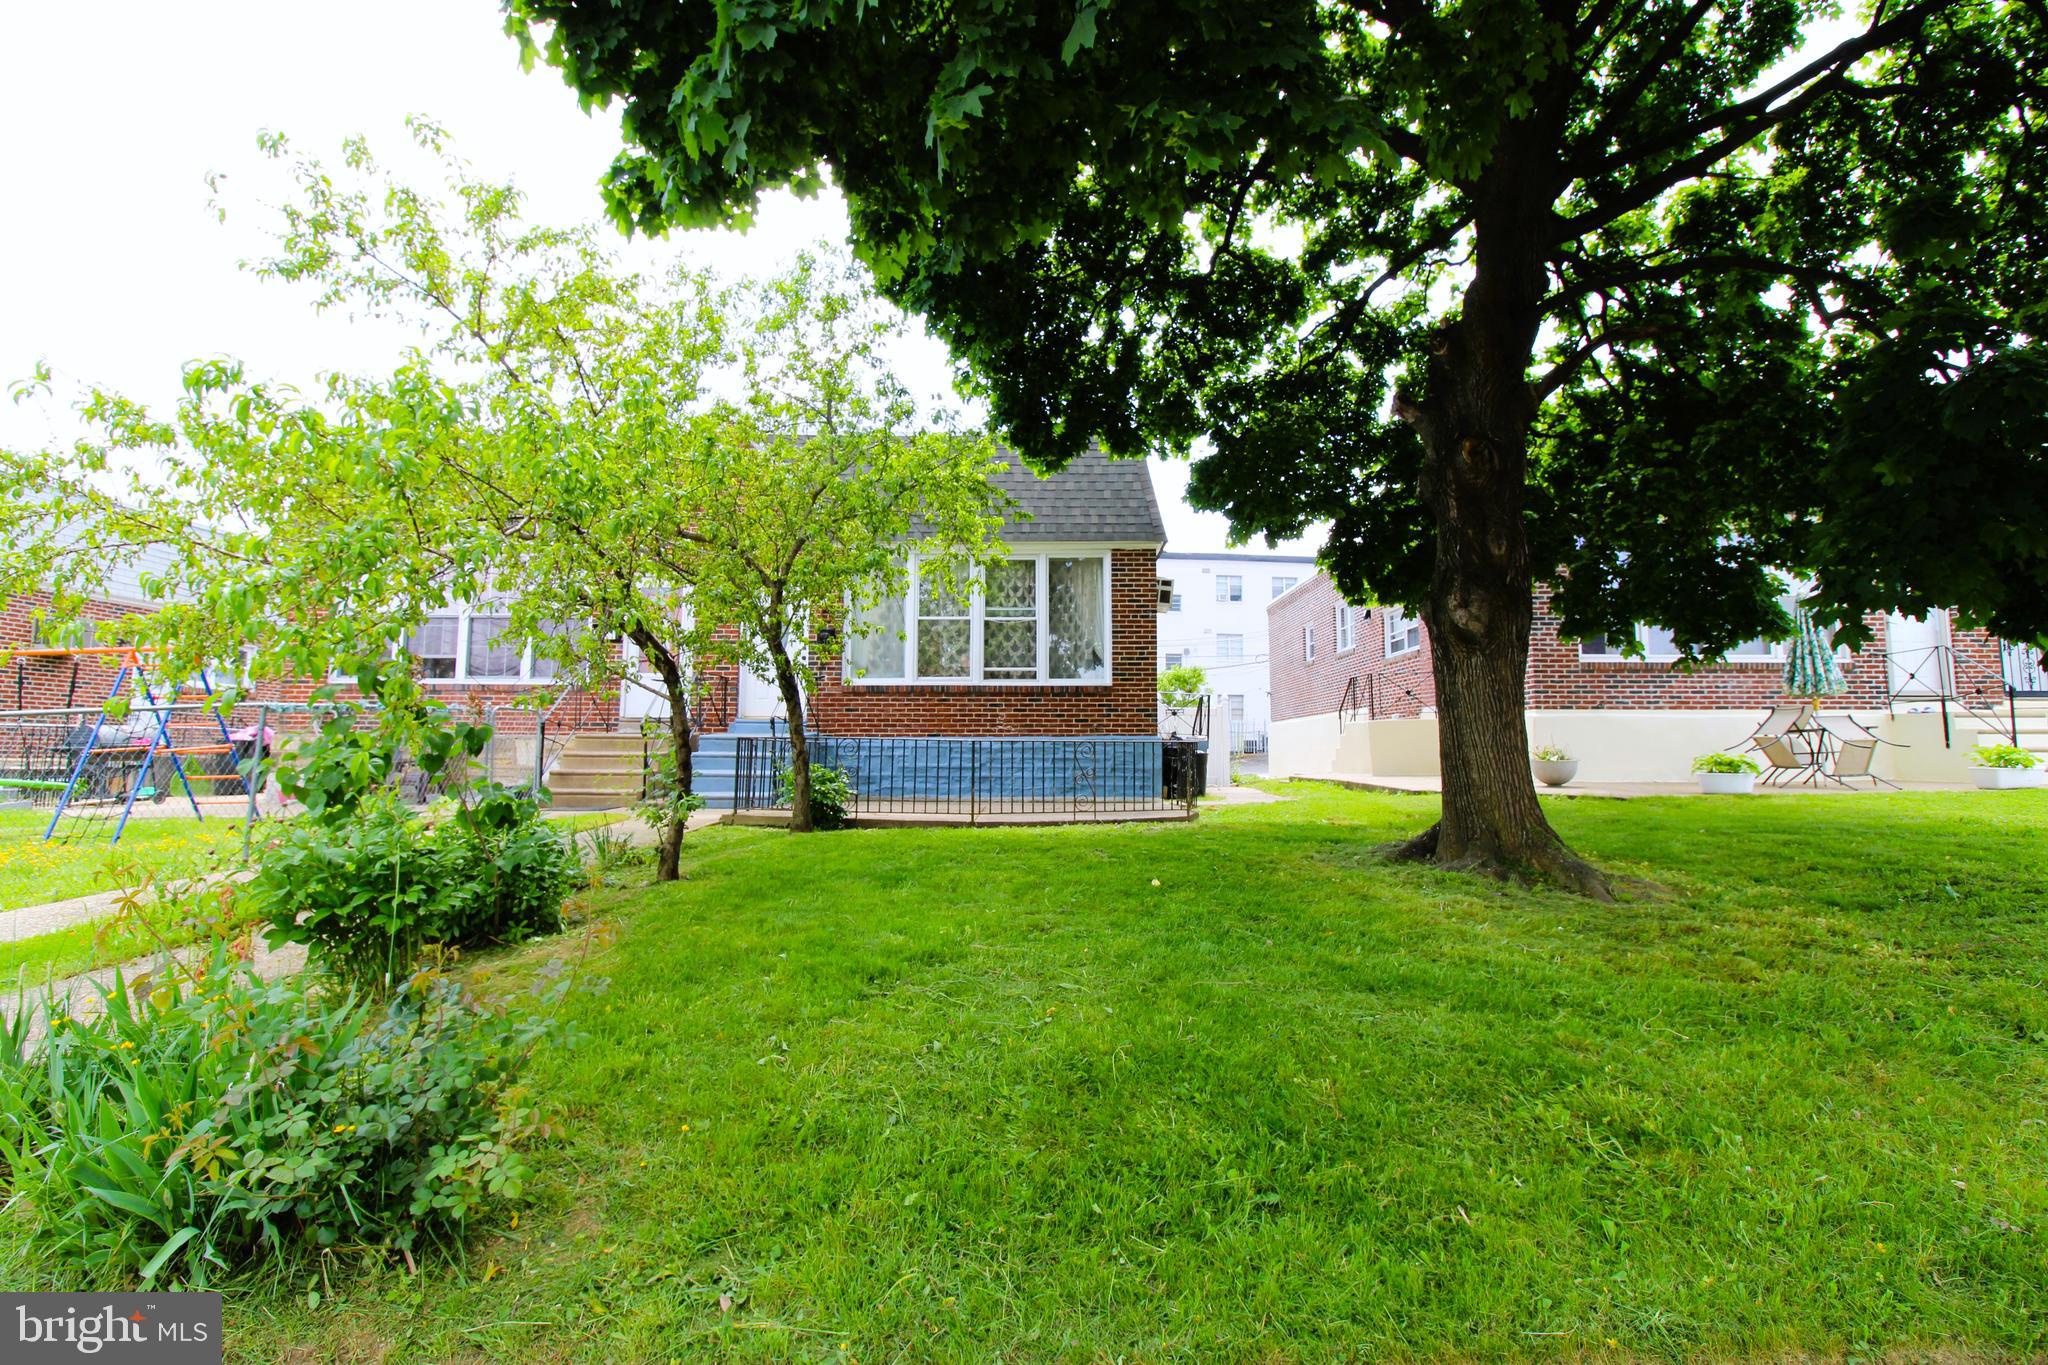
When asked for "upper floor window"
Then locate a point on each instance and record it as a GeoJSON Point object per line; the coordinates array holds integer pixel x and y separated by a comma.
{"type": "Point", "coordinates": [1404, 636]}
{"type": "Point", "coordinates": [1345, 632]}
{"type": "Point", "coordinates": [1175, 604]}
{"type": "Point", "coordinates": [1229, 587]}
{"type": "Point", "coordinates": [1308, 644]}
{"type": "Point", "coordinates": [1230, 646]}
{"type": "Point", "coordinates": [1028, 618]}
{"type": "Point", "coordinates": [1281, 585]}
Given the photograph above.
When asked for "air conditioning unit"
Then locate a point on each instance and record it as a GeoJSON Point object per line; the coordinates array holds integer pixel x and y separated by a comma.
{"type": "Point", "coordinates": [1166, 594]}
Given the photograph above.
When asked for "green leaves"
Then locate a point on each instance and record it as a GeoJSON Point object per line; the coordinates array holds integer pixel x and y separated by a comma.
{"type": "Point", "coordinates": [1081, 35]}
{"type": "Point", "coordinates": [222, 1122]}
{"type": "Point", "coordinates": [1245, 226]}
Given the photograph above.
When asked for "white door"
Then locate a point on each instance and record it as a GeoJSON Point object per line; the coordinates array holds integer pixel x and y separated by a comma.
{"type": "Point", "coordinates": [1915, 656]}
{"type": "Point", "coordinates": [760, 698]}
{"type": "Point", "coordinates": [644, 697]}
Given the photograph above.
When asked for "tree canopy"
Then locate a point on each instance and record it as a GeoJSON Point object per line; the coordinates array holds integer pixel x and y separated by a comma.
{"type": "Point", "coordinates": [674, 462]}
{"type": "Point", "coordinates": [1647, 298]}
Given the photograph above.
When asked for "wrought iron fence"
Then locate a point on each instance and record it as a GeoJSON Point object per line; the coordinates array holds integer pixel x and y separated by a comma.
{"type": "Point", "coordinates": [2026, 672]}
{"type": "Point", "coordinates": [1078, 778]}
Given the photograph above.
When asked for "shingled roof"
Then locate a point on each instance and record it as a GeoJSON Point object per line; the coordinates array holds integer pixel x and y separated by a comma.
{"type": "Point", "coordinates": [1094, 499]}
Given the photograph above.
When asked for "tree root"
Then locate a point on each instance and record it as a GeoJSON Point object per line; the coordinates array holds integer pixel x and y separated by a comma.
{"type": "Point", "coordinates": [1554, 866]}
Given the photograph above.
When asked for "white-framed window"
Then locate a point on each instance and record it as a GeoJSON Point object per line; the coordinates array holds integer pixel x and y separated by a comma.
{"type": "Point", "coordinates": [1404, 636]}
{"type": "Point", "coordinates": [1229, 587]}
{"type": "Point", "coordinates": [1661, 646]}
{"type": "Point", "coordinates": [1236, 713]}
{"type": "Point", "coordinates": [1175, 660]}
{"type": "Point", "coordinates": [1230, 646]}
{"type": "Point", "coordinates": [487, 654]}
{"type": "Point", "coordinates": [466, 645]}
{"type": "Point", "coordinates": [1174, 605]}
{"type": "Point", "coordinates": [1346, 635]}
{"type": "Point", "coordinates": [1030, 618]}
{"type": "Point", "coordinates": [1281, 585]}
{"type": "Point", "coordinates": [1308, 644]}
{"type": "Point", "coordinates": [435, 645]}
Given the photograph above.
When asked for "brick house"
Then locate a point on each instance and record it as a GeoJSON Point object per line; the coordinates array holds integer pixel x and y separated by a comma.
{"type": "Point", "coordinates": [1058, 640]}
{"type": "Point", "coordinates": [1353, 693]}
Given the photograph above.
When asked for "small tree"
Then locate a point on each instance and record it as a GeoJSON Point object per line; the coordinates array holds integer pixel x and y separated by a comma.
{"type": "Point", "coordinates": [1182, 685]}
{"type": "Point", "coordinates": [521, 455]}
{"type": "Point", "coordinates": [553, 446]}
{"type": "Point", "coordinates": [812, 487]}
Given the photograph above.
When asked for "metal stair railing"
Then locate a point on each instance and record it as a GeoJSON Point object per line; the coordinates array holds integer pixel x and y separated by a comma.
{"type": "Point", "coordinates": [1940, 675]}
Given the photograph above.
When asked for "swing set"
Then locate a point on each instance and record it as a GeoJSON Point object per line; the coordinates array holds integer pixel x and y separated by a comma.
{"type": "Point", "coordinates": [142, 744]}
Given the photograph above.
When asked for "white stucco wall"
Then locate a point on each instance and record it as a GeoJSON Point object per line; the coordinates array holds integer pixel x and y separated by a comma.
{"type": "Point", "coordinates": [1611, 746]}
{"type": "Point", "coordinates": [1306, 746]}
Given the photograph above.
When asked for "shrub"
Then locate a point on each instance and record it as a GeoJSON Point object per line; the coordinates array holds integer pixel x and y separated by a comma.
{"type": "Point", "coordinates": [831, 795]}
{"type": "Point", "coordinates": [367, 890]}
{"type": "Point", "coordinates": [222, 1120]}
{"type": "Point", "coordinates": [361, 890]}
{"type": "Point", "coordinates": [1725, 763]}
{"type": "Point", "coordinates": [607, 853]}
{"type": "Point", "coordinates": [505, 871]}
{"type": "Point", "coordinates": [2003, 756]}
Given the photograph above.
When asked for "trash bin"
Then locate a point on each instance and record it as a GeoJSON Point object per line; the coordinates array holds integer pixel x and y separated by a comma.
{"type": "Point", "coordinates": [1180, 764]}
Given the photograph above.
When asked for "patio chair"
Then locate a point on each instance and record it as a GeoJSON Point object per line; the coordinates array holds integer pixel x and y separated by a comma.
{"type": "Point", "coordinates": [1788, 740]}
{"type": "Point", "coordinates": [1855, 746]}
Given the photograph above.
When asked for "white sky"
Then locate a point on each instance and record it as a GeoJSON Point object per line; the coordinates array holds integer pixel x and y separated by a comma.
{"type": "Point", "coordinates": [117, 273]}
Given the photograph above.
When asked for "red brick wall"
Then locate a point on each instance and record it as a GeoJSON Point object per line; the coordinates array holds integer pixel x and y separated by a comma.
{"type": "Point", "coordinates": [1398, 687]}
{"type": "Point", "coordinates": [1126, 705]}
{"type": "Point", "coordinates": [85, 680]}
{"type": "Point", "coordinates": [1559, 680]}
{"type": "Point", "coordinates": [81, 680]}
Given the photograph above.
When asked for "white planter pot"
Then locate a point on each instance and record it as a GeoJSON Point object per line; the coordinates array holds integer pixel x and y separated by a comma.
{"type": "Point", "coordinates": [2001, 779]}
{"type": "Point", "coordinates": [1727, 784]}
{"type": "Point", "coordinates": [1555, 772]}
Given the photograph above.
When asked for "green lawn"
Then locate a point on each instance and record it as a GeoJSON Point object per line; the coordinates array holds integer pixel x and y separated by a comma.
{"type": "Point", "coordinates": [1236, 1091]}
{"type": "Point", "coordinates": [33, 872]}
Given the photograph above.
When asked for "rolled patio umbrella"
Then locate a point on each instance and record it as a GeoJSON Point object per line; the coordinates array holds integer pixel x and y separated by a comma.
{"type": "Point", "coordinates": [1810, 667]}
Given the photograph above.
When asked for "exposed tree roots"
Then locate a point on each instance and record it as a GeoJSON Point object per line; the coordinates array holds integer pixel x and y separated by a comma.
{"type": "Point", "coordinates": [1554, 865]}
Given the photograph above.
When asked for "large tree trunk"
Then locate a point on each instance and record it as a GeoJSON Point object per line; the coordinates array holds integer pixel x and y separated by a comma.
{"type": "Point", "coordinates": [668, 863]}
{"type": "Point", "coordinates": [1478, 614]}
{"type": "Point", "coordinates": [791, 687]}
{"type": "Point", "coordinates": [1474, 421]}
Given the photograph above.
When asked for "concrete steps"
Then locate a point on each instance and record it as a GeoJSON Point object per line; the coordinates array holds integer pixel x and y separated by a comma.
{"type": "Point", "coordinates": [2029, 718]}
{"type": "Point", "coordinates": [597, 772]}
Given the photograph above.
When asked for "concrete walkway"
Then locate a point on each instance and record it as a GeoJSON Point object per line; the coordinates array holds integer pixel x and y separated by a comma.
{"type": "Point", "coordinates": [33, 921]}
{"type": "Point", "coordinates": [85, 996]}
{"type": "Point", "coordinates": [1235, 795]}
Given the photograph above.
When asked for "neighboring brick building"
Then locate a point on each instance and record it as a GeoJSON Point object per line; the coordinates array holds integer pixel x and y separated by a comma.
{"type": "Point", "coordinates": [1367, 707]}
{"type": "Point", "coordinates": [1329, 655]}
